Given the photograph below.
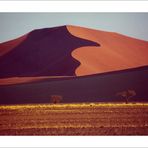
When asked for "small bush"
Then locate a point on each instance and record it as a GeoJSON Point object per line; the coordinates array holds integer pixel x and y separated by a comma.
{"type": "Point", "coordinates": [126, 94]}
{"type": "Point", "coordinates": [56, 99]}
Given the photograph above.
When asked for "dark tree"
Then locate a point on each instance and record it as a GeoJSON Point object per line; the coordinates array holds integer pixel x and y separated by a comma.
{"type": "Point", "coordinates": [56, 98]}
{"type": "Point", "coordinates": [126, 94]}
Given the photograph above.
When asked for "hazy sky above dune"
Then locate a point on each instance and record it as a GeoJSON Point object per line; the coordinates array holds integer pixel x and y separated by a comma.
{"type": "Point", "coordinates": [13, 25]}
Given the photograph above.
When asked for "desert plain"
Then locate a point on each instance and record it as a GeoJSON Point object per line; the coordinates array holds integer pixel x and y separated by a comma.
{"type": "Point", "coordinates": [74, 119]}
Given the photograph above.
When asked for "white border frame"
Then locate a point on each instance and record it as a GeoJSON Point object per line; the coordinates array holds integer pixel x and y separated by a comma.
{"type": "Point", "coordinates": [74, 141]}
{"type": "Point", "coordinates": [74, 6]}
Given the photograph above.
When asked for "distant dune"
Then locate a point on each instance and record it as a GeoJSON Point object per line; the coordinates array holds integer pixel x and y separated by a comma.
{"type": "Point", "coordinates": [116, 51]}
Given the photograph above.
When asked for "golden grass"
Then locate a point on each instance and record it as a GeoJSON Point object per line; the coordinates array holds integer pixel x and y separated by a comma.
{"type": "Point", "coordinates": [74, 119]}
{"type": "Point", "coordinates": [63, 105]}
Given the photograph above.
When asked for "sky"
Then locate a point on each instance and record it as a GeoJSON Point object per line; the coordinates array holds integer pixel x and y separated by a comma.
{"type": "Point", "coordinates": [13, 25]}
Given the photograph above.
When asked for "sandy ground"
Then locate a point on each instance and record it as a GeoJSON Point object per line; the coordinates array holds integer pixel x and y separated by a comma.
{"type": "Point", "coordinates": [74, 119]}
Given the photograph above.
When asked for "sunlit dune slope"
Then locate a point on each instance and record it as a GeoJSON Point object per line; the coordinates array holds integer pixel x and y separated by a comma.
{"type": "Point", "coordinates": [20, 80]}
{"type": "Point", "coordinates": [116, 51]}
{"type": "Point", "coordinates": [8, 46]}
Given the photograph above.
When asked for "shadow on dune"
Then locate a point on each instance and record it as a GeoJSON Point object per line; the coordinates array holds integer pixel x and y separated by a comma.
{"type": "Point", "coordinates": [45, 52]}
{"type": "Point", "coordinates": [94, 88]}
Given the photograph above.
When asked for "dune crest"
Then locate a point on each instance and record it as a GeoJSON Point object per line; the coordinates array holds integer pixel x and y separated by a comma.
{"type": "Point", "coordinates": [117, 52]}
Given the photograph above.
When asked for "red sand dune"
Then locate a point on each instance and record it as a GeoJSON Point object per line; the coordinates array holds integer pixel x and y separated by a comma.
{"type": "Point", "coordinates": [117, 52]}
{"type": "Point", "coordinates": [8, 46]}
{"type": "Point", "coordinates": [45, 52]}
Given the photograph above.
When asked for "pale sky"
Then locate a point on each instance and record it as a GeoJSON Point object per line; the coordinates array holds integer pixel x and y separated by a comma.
{"type": "Point", "coordinates": [13, 25]}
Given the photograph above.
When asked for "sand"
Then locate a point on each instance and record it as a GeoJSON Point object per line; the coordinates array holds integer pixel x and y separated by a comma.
{"type": "Point", "coordinates": [117, 52]}
{"type": "Point", "coordinates": [9, 45]}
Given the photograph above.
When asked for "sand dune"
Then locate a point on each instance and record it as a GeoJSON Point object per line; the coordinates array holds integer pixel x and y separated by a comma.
{"type": "Point", "coordinates": [116, 51]}
{"type": "Point", "coordinates": [33, 67]}
{"type": "Point", "coordinates": [8, 46]}
{"type": "Point", "coordinates": [70, 51]}
{"type": "Point", "coordinates": [45, 52]}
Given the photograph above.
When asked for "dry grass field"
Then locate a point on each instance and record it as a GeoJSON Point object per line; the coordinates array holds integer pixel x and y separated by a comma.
{"type": "Point", "coordinates": [74, 119]}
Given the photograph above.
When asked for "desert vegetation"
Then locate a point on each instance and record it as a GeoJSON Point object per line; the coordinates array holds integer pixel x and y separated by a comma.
{"type": "Point", "coordinates": [127, 95]}
{"type": "Point", "coordinates": [75, 119]}
{"type": "Point", "coordinates": [56, 99]}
